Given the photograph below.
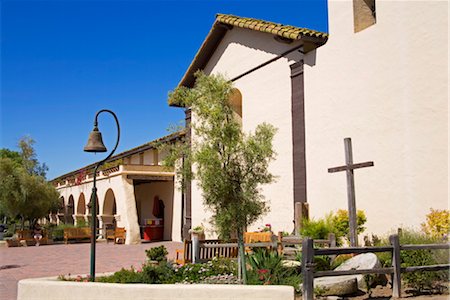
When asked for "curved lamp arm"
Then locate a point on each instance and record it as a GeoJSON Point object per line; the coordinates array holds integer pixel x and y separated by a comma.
{"type": "Point", "coordinates": [118, 134]}
{"type": "Point", "coordinates": [94, 189]}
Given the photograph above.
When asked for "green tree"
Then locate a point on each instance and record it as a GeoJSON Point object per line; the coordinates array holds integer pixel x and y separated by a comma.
{"type": "Point", "coordinates": [29, 160]}
{"type": "Point", "coordinates": [24, 192]}
{"type": "Point", "coordinates": [15, 156]}
{"type": "Point", "coordinates": [11, 175]}
{"type": "Point", "coordinates": [230, 165]}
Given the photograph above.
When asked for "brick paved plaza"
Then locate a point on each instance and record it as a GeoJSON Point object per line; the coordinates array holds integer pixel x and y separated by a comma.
{"type": "Point", "coordinates": [52, 260]}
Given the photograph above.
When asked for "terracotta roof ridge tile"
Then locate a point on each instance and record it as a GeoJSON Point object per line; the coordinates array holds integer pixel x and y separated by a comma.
{"type": "Point", "coordinates": [287, 31]}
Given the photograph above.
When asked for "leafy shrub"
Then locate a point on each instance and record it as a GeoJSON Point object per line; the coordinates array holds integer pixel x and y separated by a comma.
{"type": "Point", "coordinates": [341, 222]}
{"type": "Point", "coordinates": [8, 234]}
{"type": "Point", "coordinates": [318, 229]}
{"type": "Point", "coordinates": [215, 271]}
{"type": "Point", "coordinates": [323, 262]}
{"type": "Point", "coordinates": [337, 223]}
{"type": "Point", "coordinates": [419, 281]}
{"type": "Point", "coordinates": [58, 231]}
{"type": "Point", "coordinates": [157, 253]}
{"type": "Point", "coordinates": [221, 279]}
{"type": "Point", "coordinates": [266, 268]}
{"type": "Point", "coordinates": [422, 281]}
{"type": "Point", "coordinates": [195, 273]}
{"type": "Point", "coordinates": [437, 224]}
{"type": "Point", "coordinates": [161, 273]}
{"type": "Point", "coordinates": [263, 259]}
{"type": "Point", "coordinates": [123, 276]}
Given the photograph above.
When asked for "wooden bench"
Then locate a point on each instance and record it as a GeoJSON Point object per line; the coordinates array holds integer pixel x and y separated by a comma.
{"type": "Point", "coordinates": [76, 233]}
{"type": "Point", "coordinates": [118, 235]}
{"type": "Point", "coordinates": [185, 255]}
{"type": "Point", "coordinates": [26, 237]}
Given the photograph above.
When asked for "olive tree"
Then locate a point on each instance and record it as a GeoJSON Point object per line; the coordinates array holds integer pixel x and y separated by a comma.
{"type": "Point", "coordinates": [230, 165]}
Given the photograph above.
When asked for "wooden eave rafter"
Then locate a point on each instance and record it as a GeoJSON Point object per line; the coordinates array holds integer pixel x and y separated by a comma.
{"type": "Point", "coordinates": [310, 38]}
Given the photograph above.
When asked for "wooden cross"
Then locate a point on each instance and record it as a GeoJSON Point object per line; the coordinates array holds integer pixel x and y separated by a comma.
{"type": "Point", "coordinates": [349, 167]}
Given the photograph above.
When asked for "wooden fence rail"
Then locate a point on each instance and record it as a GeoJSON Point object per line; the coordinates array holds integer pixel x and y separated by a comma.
{"type": "Point", "coordinates": [309, 273]}
{"type": "Point", "coordinates": [203, 250]}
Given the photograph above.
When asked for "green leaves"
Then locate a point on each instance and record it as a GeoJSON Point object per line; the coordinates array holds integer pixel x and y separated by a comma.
{"type": "Point", "coordinates": [23, 190]}
{"type": "Point", "coordinates": [230, 165]}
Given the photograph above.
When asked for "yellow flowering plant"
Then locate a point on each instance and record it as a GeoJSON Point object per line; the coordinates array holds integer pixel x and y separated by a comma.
{"type": "Point", "coordinates": [437, 223]}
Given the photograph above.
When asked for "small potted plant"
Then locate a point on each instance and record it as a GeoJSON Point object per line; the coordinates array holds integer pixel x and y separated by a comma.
{"type": "Point", "coordinates": [199, 231]}
{"type": "Point", "coordinates": [267, 228]}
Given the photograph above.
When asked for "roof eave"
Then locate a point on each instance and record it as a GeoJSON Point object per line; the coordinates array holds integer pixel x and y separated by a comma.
{"type": "Point", "coordinates": [213, 40]}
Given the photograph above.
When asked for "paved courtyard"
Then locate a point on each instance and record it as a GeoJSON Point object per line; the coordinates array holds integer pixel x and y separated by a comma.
{"type": "Point", "coordinates": [52, 260]}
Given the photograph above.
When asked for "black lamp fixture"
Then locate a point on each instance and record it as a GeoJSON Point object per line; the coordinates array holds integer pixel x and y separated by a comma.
{"type": "Point", "coordinates": [95, 144]}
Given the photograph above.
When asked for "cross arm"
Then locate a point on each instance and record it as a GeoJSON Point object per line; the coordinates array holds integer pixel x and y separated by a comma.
{"type": "Point", "coordinates": [351, 167]}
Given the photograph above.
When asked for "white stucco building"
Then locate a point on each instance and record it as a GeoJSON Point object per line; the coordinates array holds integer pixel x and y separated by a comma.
{"type": "Point", "coordinates": [134, 190]}
{"type": "Point", "coordinates": [379, 77]}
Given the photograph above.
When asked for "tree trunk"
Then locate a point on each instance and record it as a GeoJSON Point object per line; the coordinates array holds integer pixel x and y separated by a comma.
{"type": "Point", "coordinates": [242, 255]}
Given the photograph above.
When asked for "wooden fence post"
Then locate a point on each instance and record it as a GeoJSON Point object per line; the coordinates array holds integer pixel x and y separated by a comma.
{"type": "Point", "coordinates": [301, 213]}
{"type": "Point", "coordinates": [332, 244]}
{"type": "Point", "coordinates": [280, 243]}
{"type": "Point", "coordinates": [195, 249]}
{"type": "Point", "coordinates": [396, 277]}
{"type": "Point", "coordinates": [308, 269]}
{"type": "Point", "coordinates": [332, 240]}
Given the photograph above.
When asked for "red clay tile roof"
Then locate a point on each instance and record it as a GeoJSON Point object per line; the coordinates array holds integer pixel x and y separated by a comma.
{"type": "Point", "coordinates": [286, 31]}
{"type": "Point", "coordinates": [223, 23]}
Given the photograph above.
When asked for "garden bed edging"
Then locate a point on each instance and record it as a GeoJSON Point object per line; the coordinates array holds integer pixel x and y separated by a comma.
{"type": "Point", "coordinates": [51, 288]}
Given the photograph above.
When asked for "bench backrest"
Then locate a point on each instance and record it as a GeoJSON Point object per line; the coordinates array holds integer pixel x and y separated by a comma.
{"type": "Point", "coordinates": [77, 232]}
{"type": "Point", "coordinates": [120, 232]}
{"type": "Point", "coordinates": [209, 253]}
{"type": "Point", "coordinates": [25, 234]}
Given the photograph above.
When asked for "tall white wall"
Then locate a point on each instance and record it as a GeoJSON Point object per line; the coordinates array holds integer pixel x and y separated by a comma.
{"type": "Point", "coordinates": [386, 87]}
{"type": "Point", "coordinates": [266, 97]}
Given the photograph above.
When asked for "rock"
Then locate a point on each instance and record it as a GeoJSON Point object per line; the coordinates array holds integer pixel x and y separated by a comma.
{"type": "Point", "coordinates": [291, 264]}
{"type": "Point", "coordinates": [360, 262]}
{"type": "Point", "coordinates": [335, 285]}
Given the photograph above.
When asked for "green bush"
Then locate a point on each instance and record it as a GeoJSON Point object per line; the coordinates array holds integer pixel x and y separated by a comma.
{"type": "Point", "coordinates": [157, 253]}
{"type": "Point", "coordinates": [214, 271]}
{"type": "Point", "coordinates": [267, 268]}
{"type": "Point", "coordinates": [161, 273]}
{"type": "Point", "coordinates": [123, 276]}
{"type": "Point", "coordinates": [419, 281]}
{"type": "Point", "coordinates": [341, 222]}
{"type": "Point", "coordinates": [337, 223]}
{"type": "Point", "coordinates": [323, 262]}
{"type": "Point", "coordinates": [422, 281]}
{"type": "Point", "coordinates": [195, 273]}
{"type": "Point", "coordinates": [58, 231]}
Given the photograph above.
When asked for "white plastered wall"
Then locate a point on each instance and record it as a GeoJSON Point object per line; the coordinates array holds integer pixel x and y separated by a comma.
{"type": "Point", "coordinates": [125, 202]}
{"type": "Point", "coordinates": [266, 97]}
{"type": "Point", "coordinates": [386, 87]}
{"type": "Point", "coordinates": [177, 211]}
{"type": "Point", "coordinates": [145, 193]}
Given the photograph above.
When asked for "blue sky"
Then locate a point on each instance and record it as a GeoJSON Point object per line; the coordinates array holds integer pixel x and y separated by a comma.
{"type": "Point", "coordinates": [61, 61]}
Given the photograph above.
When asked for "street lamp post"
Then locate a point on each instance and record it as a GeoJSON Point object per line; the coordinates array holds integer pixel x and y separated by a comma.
{"type": "Point", "coordinates": [95, 144]}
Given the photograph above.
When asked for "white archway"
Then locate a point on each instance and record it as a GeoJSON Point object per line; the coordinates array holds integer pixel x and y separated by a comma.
{"type": "Point", "coordinates": [80, 216]}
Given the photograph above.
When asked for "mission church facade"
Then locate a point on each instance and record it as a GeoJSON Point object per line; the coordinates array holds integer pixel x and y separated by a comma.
{"type": "Point", "coordinates": [380, 77]}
